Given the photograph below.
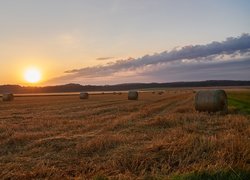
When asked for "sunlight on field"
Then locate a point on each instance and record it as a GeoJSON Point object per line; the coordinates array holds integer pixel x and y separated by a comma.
{"type": "Point", "coordinates": [110, 136]}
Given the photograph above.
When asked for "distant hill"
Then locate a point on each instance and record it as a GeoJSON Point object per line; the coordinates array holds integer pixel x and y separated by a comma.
{"type": "Point", "coordinates": [118, 87]}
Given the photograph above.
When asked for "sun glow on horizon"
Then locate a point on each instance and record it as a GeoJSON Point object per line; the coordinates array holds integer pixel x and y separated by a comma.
{"type": "Point", "coordinates": [32, 75]}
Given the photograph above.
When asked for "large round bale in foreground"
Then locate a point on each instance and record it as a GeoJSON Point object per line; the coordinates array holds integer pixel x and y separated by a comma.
{"type": "Point", "coordinates": [8, 97]}
{"type": "Point", "coordinates": [84, 95]}
{"type": "Point", "coordinates": [133, 95]}
{"type": "Point", "coordinates": [211, 101]}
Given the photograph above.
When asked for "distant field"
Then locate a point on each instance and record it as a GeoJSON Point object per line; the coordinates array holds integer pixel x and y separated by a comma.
{"type": "Point", "coordinates": [240, 100]}
{"type": "Point", "coordinates": [108, 136]}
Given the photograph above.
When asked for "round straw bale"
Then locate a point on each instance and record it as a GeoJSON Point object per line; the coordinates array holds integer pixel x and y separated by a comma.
{"type": "Point", "coordinates": [8, 97]}
{"type": "Point", "coordinates": [211, 101]}
{"type": "Point", "coordinates": [84, 95]}
{"type": "Point", "coordinates": [133, 95]}
{"type": "Point", "coordinates": [160, 93]}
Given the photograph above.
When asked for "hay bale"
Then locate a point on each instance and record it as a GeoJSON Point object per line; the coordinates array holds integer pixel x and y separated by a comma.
{"type": "Point", "coordinates": [160, 93]}
{"type": "Point", "coordinates": [8, 97]}
{"type": "Point", "coordinates": [133, 95]}
{"type": "Point", "coordinates": [211, 101]}
{"type": "Point", "coordinates": [84, 95]}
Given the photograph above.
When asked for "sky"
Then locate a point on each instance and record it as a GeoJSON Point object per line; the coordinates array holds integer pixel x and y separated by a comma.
{"type": "Point", "coordinates": [124, 41]}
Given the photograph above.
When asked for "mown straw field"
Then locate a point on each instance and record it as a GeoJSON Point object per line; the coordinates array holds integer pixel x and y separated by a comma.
{"type": "Point", "coordinates": [108, 136]}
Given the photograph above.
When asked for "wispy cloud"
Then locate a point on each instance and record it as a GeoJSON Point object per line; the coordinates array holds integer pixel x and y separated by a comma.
{"type": "Point", "coordinates": [176, 61]}
{"type": "Point", "coordinates": [104, 58]}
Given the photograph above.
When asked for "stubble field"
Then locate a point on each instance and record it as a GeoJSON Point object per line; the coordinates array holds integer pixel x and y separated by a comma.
{"type": "Point", "coordinates": [108, 136]}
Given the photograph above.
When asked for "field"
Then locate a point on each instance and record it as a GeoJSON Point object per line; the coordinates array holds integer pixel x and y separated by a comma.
{"type": "Point", "coordinates": [108, 136]}
{"type": "Point", "coordinates": [240, 100]}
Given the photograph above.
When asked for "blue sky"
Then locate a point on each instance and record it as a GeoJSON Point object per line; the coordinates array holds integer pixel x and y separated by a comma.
{"type": "Point", "coordinates": [62, 35]}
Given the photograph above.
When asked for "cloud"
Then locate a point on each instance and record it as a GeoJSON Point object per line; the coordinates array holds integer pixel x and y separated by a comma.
{"type": "Point", "coordinates": [104, 58]}
{"type": "Point", "coordinates": [177, 61]}
{"type": "Point", "coordinates": [67, 39]}
{"type": "Point", "coordinates": [223, 70]}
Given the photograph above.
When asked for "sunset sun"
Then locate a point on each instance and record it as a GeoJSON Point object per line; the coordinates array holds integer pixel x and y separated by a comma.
{"type": "Point", "coordinates": [32, 75]}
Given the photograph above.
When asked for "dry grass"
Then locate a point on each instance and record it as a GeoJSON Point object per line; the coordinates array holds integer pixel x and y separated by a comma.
{"type": "Point", "coordinates": [109, 136]}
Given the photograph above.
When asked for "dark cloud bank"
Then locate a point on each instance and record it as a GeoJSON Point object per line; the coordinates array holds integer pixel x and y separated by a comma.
{"type": "Point", "coordinates": [229, 59]}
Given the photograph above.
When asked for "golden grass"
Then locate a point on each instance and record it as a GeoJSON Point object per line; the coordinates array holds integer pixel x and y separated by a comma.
{"type": "Point", "coordinates": [106, 135]}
